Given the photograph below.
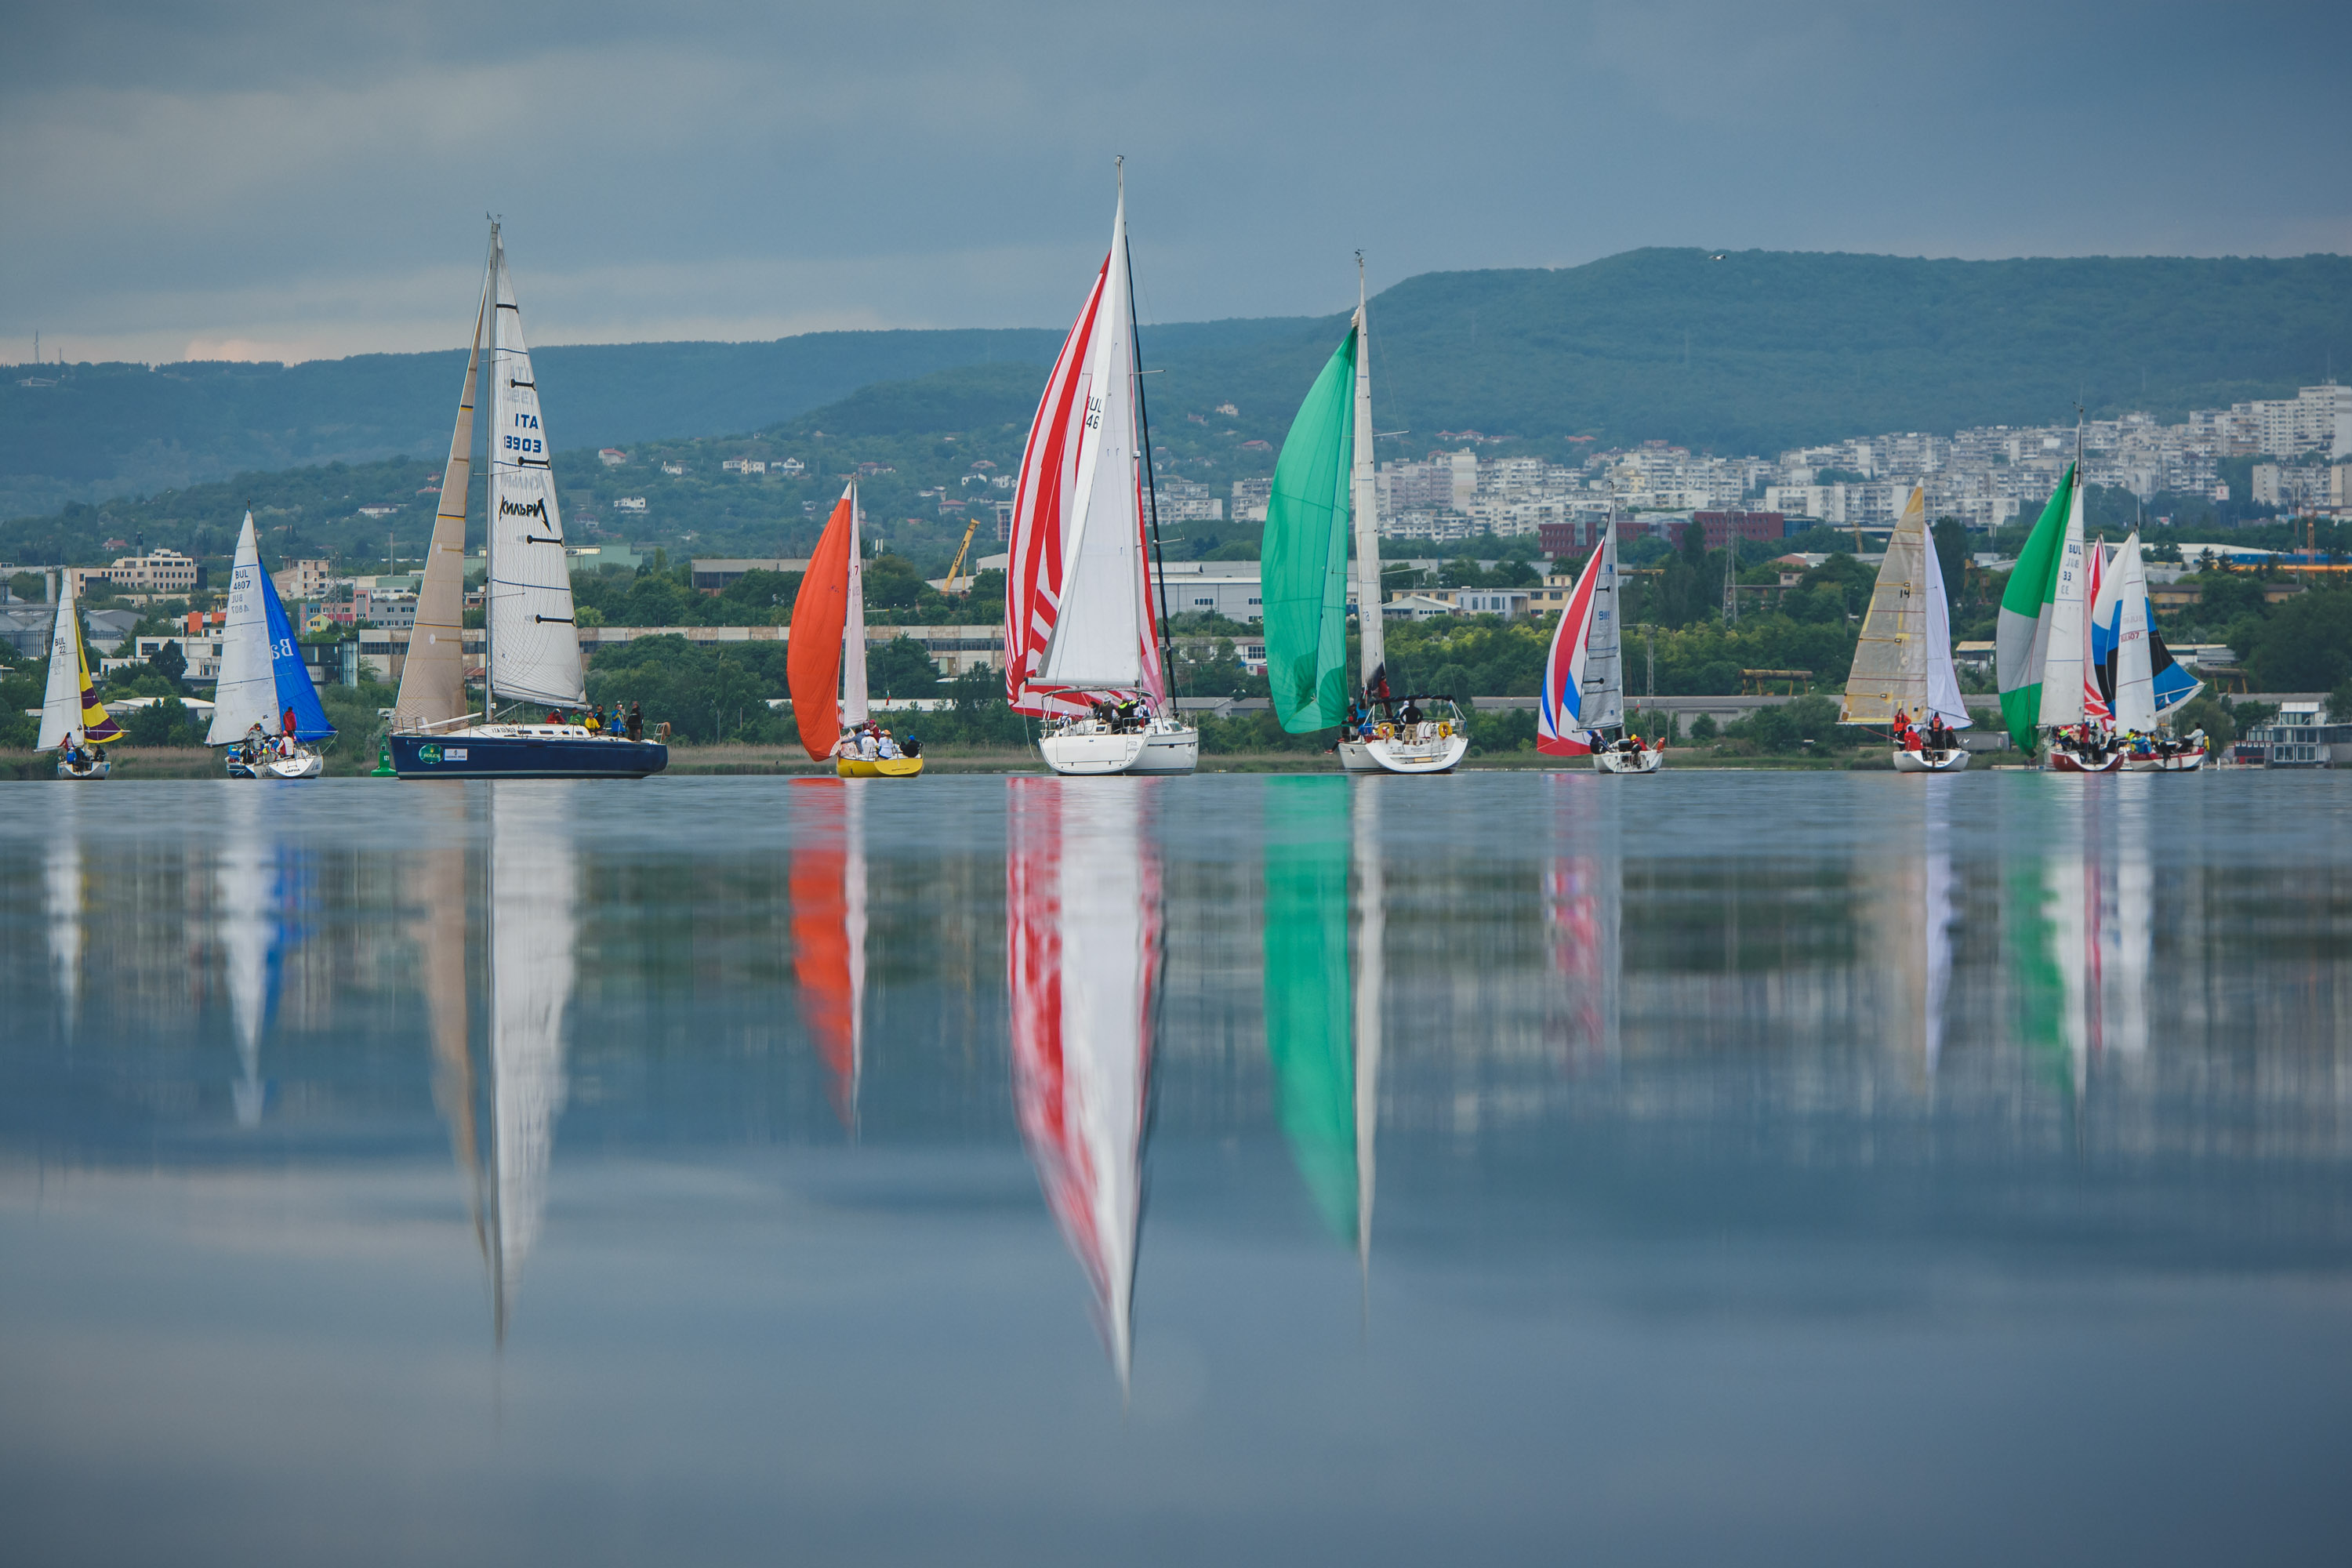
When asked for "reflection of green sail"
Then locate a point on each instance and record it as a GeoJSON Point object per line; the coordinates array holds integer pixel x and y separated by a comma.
{"type": "Point", "coordinates": [2040, 983]}
{"type": "Point", "coordinates": [1308, 1033]}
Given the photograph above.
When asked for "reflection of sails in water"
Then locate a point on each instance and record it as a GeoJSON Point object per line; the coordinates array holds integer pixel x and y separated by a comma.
{"type": "Point", "coordinates": [1309, 1004]}
{"type": "Point", "coordinates": [828, 886]}
{"type": "Point", "coordinates": [1082, 906]}
{"type": "Point", "coordinates": [436, 884]}
{"type": "Point", "coordinates": [532, 890]}
{"type": "Point", "coordinates": [247, 896]}
{"type": "Point", "coordinates": [63, 884]}
{"type": "Point", "coordinates": [1582, 898]}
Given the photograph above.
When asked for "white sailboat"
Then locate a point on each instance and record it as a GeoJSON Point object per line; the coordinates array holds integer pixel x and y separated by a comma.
{"type": "Point", "coordinates": [74, 723]}
{"type": "Point", "coordinates": [1403, 739]}
{"type": "Point", "coordinates": [1903, 670]}
{"type": "Point", "coordinates": [2136, 674]}
{"type": "Point", "coordinates": [1582, 711]}
{"type": "Point", "coordinates": [532, 633]}
{"type": "Point", "coordinates": [1083, 644]}
{"type": "Point", "coordinates": [266, 709]}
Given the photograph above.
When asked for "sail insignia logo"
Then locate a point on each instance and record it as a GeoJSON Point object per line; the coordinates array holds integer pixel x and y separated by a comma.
{"type": "Point", "coordinates": [537, 509]}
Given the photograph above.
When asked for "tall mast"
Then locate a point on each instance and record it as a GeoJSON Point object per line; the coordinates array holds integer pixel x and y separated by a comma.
{"type": "Point", "coordinates": [1364, 499]}
{"type": "Point", "coordinates": [1150, 483]}
{"type": "Point", "coordinates": [490, 465]}
{"type": "Point", "coordinates": [855, 699]}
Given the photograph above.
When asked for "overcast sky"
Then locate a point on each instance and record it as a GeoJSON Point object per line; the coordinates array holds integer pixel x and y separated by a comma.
{"type": "Point", "coordinates": [278, 180]}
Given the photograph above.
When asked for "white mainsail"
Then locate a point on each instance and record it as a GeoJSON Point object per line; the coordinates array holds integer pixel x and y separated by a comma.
{"type": "Point", "coordinates": [432, 678]}
{"type": "Point", "coordinates": [534, 640]}
{"type": "Point", "coordinates": [855, 708]}
{"type": "Point", "coordinates": [1364, 501]}
{"type": "Point", "coordinates": [247, 692]}
{"type": "Point", "coordinates": [2134, 699]}
{"type": "Point", "coordinates": [61, 699]}
{"type": "Point", "coordinates": [1943, 680]}
{"type": "Point", "coordinates": [1103, 626]}
{"type": "Point", "coordinates": [533, 884]}
{"type": "Point", "coordinates": [2062, 667]}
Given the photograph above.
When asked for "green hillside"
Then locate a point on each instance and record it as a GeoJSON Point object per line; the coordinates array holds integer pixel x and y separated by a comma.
{"type": "Point", "coordinates": [1750, 351]}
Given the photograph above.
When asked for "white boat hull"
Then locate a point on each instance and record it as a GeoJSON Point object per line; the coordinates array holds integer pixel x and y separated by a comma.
{"type": "Point", "coordinates": [1433, 754]}
{"type": "Point", "coordinates": [95, 768]}
{"type": "Point", "coordinates": [1647, 760]}
{"type": "Point", "coordinates": [1926, 761]}
{"type": "Point", "coordinates": [2186, 763]}
{"type": "Point", "coordinates": [1083, 754]}
{"type": "Point", "coordinates": [301, 766]}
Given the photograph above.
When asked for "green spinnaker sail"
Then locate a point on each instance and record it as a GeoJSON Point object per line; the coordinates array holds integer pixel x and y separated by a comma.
{"type": "Point", "coordinates": [2022, 634]}
{"type": "Point", "coordinates": [1303, 562]}
{"type": "Point", "coordinates": [1309, 1034]}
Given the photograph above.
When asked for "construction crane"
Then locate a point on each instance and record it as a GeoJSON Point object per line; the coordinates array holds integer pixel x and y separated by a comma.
{"type": "Point", "coordinates": [956, 567]}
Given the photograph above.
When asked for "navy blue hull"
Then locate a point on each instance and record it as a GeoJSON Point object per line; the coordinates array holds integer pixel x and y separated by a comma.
{"type": "Point", "coordinates": [467, 755]}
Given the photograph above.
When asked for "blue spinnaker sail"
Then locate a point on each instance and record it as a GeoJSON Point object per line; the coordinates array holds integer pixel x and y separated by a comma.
{"type": "Point", "coordinates": [295, 687]}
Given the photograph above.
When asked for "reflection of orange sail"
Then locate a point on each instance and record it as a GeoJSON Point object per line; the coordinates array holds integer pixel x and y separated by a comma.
{"type": "Point", "coordinates": [813, 656]}
{"type": "Point", "coordinates": [1082, 902]}
{"type": "Point", "coordinates": [829, 930]}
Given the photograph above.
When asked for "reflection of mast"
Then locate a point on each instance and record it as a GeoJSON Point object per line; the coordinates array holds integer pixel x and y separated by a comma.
{"type": "Point", "coordinates": [828, 889]}
{"type": "Point", "coordinates": [1083, 913]}
{"type": "Point", "coordinates": [2129, 933]}
{"type": "Point", "coordinates": [64, 887]}
{"type": "Point", "coordinates": [1937, 862]}
{"type": "Point", "coordinates": [1371, 969]}
{"type": "Point", "coordinates": [242, 877]}
{"type": "Point", "coordinates": [437, 883]}
{"type": "Point", "coordinates": [531, 889]}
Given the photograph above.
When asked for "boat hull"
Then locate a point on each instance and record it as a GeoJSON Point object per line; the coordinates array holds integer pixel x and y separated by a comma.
{"type": "Point", "coordinates": [1436, 754]}
{"type": "Point", "coordinates": [877, 767]}
{"type": "Point", "coordinates": [1144, 752]}
{"type": "Point", "coordinates": [526, 751]}
{"type": "Point", "coordinates": [1924, 762]}
{"type": "Point", "coordinates": [1645, 761]}
{"type": "Point", "coordinates": [2068, 762]}
{"type": "Point", "coordinates": [2187, 762]}
{"type": "Point", "coordinates": [95, 768]}
{"type": "Point", "coordinates": [301, 766]}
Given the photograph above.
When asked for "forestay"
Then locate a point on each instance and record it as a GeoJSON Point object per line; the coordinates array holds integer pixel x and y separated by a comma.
{"type": "Point", "coordinates": [534, 643]}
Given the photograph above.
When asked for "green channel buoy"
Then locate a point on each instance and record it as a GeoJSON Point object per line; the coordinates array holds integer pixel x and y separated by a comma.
{"type": "Point", "coordinates": [383, 769]}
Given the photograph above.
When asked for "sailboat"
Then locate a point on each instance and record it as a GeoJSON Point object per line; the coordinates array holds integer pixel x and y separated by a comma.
{"type": "Point", "coordinates": [1903, 663]}
{"type": "Point", "coordinates": [533, 639]}
{"type": "Point", "coordinates": [266, 709]}
{"type": "Point", "coordinates": [1083, 913]}
{"type": "Point", "coordinates": [828, 888]}
{"type": "Point", "coordinates": [827, 651]}
{"type": "Point", "coordinates": [2043, 638]}
{"type": "Point", "coordinates": [73, 720]}
{"type": "Point", "coordinates": [1322, 996]}
{"type": "Point", "coordinates": [2138, 678]}
{"type": "Point", "coordinates": [1584, 685]}
{"type": "Point", "coordinates": [1083, 650]}
{"type": "Point", "coordinates": [1322, 482]}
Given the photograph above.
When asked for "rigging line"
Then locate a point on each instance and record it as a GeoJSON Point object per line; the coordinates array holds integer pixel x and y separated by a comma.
{"type": "Point", "coordinates": [1150, 481]}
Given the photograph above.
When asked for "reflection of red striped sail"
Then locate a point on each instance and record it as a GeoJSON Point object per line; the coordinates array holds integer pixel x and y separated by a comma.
{"type": "Point", "coordinates": [1082, 906]}
{"type": "Point", "coordinates": [828, 887]}
{"type": "Point", "coordinates": [1049, 474]}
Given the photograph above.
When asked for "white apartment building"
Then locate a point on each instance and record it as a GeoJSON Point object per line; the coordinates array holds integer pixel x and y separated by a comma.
{"type": "Point", "coordinates": [1186, 501]}
{"type": "Point", "coordinates": [1227, 588]}
{"type": "Point", "coordinates": [157, 572]}
{"type": "Point", "coordinates": [1250, 498]}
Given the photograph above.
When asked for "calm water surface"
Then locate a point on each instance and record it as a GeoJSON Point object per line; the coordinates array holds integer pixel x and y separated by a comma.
{"type": "Point", "coordinates": [1500, 1168]}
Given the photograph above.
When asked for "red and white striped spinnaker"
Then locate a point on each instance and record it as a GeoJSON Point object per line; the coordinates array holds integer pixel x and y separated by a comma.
{"type": "Point", "coordinates": [1082, 906]}
{"type": "Point", "coordinates": [1077, 612]}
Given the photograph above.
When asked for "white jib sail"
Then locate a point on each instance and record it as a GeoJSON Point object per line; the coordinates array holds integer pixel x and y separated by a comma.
{"type": "Point", "coordinates": [2135, 703]}
{"type": "Point", "coordinates": [61, 699]}
{"type": "Point", "coordinates": [534, 654]}
{"type": "Point", "coordinates": [247, 692]}
{"type": "Point", "coordinates": [532, 889]}
{"type": "Point", "coordinates": [1943, 680]}
{"type": "Point", "coordinates": [1364, 499]}
{"type": "Point", "coordinates": [2062, 667]}
{"type": "Point", "coordinates": [855, 708]}
{"type": "Point", "coordinates": [1099, 635]}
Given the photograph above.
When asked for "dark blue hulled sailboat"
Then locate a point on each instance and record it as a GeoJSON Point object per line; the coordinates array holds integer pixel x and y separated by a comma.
{"type": "Point", "coordinates": [533, 652]}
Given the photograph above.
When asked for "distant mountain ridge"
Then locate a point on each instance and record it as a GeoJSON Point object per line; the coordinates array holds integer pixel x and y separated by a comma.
{"type": "Point", "coordinates": [1752, 350]}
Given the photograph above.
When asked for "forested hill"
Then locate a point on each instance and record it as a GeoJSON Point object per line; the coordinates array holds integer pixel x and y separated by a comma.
{"type": "Point", "coordinates": [1745, 352]}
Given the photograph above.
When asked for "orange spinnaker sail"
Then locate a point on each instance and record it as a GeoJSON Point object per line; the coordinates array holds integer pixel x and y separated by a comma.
{"type": "Point", "coordinates": [812, 654]}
